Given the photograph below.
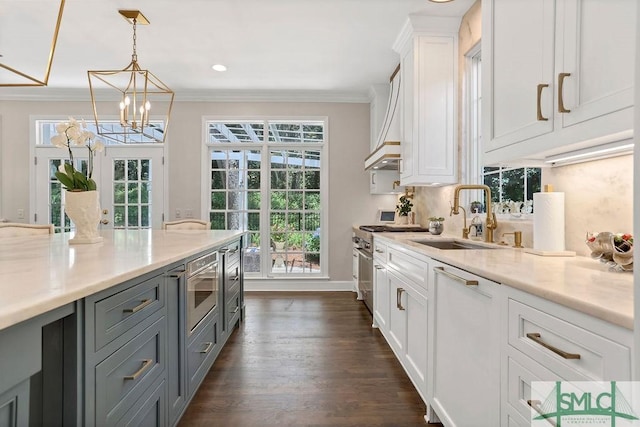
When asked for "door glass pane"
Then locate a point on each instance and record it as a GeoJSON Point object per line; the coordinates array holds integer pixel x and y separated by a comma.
{"type": "Point", "coordinates": [132, 206]}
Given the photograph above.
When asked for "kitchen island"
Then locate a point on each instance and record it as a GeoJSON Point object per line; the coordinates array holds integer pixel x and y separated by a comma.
{"type": "Point", "coordinates": [96, 334]}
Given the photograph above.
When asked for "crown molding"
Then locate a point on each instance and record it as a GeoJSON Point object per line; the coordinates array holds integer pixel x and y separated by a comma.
{"type": "Point", "coordinates": [193, 95]}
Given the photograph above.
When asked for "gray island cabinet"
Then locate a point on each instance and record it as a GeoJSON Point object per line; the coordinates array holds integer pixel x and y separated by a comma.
{"type": "Point", "coordinates": [95, 335]}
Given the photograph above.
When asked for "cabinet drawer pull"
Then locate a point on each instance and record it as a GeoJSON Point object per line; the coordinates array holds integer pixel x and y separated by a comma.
{"type": "Point", "coordinates": [143, 304]}
{"type": "Point", "coordinates": [541, 118]}
{"type": "Point", "coordinates": [561, 78]}
{"type": "Point", "coordinates": [379, 267]}
{"type": "Point", "coordinates": [207, 348]}
{"type": "Point", "coordinates": [146, 364]}
{"type": "Point", "coordinates": [534, 336]}
{"type": "Point", "coordinates": [456, 278]}
{"type": "Point", "coordinates": [535, 405]}
{"type": "Point", "coordinates": [380, 251]}
{"type": "Point", "coordinates": [177, 274]}
{"type": "Point", "coordinates": [399, 292]}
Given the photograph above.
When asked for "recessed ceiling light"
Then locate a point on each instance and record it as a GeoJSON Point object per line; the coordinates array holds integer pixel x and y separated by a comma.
{"type": "Point", "coordinates": [219, 67]}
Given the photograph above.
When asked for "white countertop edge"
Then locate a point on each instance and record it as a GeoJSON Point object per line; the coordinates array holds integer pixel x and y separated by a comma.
{"type": "Point", "coordinates": [585, 305]}
{"type": "Point", "coordinates": [18, 312]}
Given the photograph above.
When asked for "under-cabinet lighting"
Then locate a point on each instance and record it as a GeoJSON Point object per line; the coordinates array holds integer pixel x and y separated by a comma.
{"type": "Point", "coordinates": [219, 67]}
{"type": "Point", "coordinates": [594, 153]}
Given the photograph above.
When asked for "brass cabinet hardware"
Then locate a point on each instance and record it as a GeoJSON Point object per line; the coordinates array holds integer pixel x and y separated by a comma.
{"type": "Point", "coordinates": [207, 348]}
{"type": "Point", "coordinates": [399, 292]}
{"type": "Point", "coordinates": [146, 364]}
{"type": "Point", "coordinates": [541, 118]}
{"type": "Point", "coordinates": [535, 405]}
{"type": "Point", "coordinates": [143, 304]}
{"type": "Point", "coordinates": [456, 278]}
{"type": "Point", "coordinates": [534, 336]}
{"type": "Point", "coordinates": [104, 221]}
{"type": "Point", "coordinates": [561, 77]}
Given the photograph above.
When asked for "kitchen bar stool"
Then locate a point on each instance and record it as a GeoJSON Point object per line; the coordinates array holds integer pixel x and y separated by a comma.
{"type": "Point", "coordinates": [14, 229]}
{"type": "Point", "coordinates": [186, 224]}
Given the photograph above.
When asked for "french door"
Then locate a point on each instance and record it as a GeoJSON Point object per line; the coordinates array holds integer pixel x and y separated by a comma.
{"type": "Point", "coordinates": [130, 180]}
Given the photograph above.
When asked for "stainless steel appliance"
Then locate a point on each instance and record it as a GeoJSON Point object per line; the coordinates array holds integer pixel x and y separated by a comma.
{"type": "Point", "coordinates": [364, 244]}
{"type": "Point", "coordinates": [203, 285]}
{"type": "Point", "coordinates": [362, 239]}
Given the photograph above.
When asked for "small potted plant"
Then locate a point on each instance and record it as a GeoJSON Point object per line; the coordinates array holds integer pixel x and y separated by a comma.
{"type": "Point", "coordinates": [404, 208]}
{"type": "Point", "coordinates": [436, 224]}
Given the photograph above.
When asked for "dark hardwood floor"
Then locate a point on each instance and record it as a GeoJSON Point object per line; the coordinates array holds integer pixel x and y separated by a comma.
{"type": "Point", "coordinates": [306, 359]}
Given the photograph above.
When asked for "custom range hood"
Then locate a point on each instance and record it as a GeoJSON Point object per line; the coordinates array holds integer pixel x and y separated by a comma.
{"type": "Point", "coordinates": [386, 155]}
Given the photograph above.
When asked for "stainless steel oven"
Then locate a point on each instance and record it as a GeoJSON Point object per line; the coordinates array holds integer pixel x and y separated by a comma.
{"type": "Point", "coordinates": [203, 285]}
{"type": "Point", "coordinates": [365, 269]}
{"type": "Point", "coordinates": [363, 240]}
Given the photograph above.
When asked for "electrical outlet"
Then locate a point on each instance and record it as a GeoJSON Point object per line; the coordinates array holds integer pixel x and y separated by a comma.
{"type": "Point", "coordinates": [188, 213]}
{"type": "Point", "coordinates": [178, 214]}
{"type": "Point", "coordinates": [20, 213]}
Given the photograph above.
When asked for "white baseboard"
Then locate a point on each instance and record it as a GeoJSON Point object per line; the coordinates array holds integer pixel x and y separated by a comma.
{"type": "Point", "coordinates": [298, 285]}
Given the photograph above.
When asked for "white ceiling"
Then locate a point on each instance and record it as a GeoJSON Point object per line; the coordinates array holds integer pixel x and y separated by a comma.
{"type": "Point", "coordinates": [335, 47]}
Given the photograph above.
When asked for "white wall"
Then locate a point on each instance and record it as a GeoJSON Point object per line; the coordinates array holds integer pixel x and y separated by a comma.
{"type": "Point", "coordinates": [349, 199]}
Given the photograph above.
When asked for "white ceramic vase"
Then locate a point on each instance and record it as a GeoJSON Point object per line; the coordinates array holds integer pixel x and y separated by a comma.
{"type": "Point", "coordinates": [83, 207]}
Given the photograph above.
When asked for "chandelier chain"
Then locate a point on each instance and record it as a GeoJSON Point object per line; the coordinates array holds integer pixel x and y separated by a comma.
{"type": "Point", "coordinates": [135, 55]}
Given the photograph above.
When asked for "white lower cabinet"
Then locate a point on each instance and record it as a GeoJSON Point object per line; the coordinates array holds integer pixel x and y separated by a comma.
{"type": "Point", "coordinates": [464, 362]}
{"type": "Point", "coordinates": [473, 347]}
{"type": "Point", "coordinates": [401, 308]}
{"type": "Point", "coordinates": [548, 342]}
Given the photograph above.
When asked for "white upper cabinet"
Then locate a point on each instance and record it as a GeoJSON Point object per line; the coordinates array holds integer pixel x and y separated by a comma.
{"type": "Point", "coordinates": [557, 75]}
{"type": "Point", "coordinates": [428, 48]}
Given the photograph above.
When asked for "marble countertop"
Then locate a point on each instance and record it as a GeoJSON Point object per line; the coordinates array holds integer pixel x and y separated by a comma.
{"type": "Point", "coordinates": [42, 273]}
{"type": "Point", "coordinates": [577, 282]}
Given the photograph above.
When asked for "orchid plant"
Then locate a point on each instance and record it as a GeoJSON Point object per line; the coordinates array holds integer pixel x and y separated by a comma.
{"type": "Point", "coordinates": [70, 134]}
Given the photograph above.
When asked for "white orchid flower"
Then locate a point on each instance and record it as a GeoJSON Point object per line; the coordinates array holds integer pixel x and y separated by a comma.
{"type": "Point", "coordinates": [61, 169]}
{"type": "Point", "coordinates": [59, 141]}
{"type": "Point", "coordinates": [61, 127]}
{"type": "Point", "coordinates": [98, 146]}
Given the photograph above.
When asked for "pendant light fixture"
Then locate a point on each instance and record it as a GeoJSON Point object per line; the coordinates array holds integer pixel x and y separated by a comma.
{"type": "Point", "coordinates": [135, 96]}
{"type": "Point", "coordinates": [16, 62]}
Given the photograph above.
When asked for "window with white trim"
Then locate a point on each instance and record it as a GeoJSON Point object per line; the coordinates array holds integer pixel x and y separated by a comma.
{"type": "Point", "coordinates": [512, 188]}
{"type": "Point", "coordinates": [268, 177]}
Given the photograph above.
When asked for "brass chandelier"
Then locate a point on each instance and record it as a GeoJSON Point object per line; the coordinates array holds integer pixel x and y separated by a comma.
{"type": "Point", "coordinates": [139, 95]}
{"type": "Point", "coordinates": [14, 60]}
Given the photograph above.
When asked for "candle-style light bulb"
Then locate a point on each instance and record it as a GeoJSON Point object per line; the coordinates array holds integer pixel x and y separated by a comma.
{"type": "Point", "coordinates": [122, 113]}
{"type": "Point", "coordinates": [147, 107]}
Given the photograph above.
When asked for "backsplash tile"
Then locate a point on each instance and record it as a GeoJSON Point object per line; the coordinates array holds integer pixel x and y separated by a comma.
{"type": "Point", "coordinates": [598, 197]}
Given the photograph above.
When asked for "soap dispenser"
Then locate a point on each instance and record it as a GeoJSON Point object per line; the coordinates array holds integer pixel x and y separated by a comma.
{"type": "Point", "coordinates": [476, 227]}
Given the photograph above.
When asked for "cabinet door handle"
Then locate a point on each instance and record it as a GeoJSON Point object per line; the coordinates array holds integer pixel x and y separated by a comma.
{"type": "Point", "coordinates": [143, 304]}
{"type": "Point", "coordinates": [373, 178]}
{"type": "Point", "coordinates": [146, 364]}
{"type": "Point", "coordinates": [535, 336]}
{"type": "Point", "coordinates": [235, 310]}
{"type": "Point", "coordinates": [399, 292]}
{"type": "Point", "coordinates": [177, 274]}
{"type": "Point", "coordinates": [355, 255]}
{"type": "Point", "coordinates": [379, 267]}
{"type": "Point", "coordinates": [541, 118]}
{"type": "Point", "coordinates": [561, 78]}
{"type": "Point", "coordinates": [456, 278]}
{"type": "Point", "coordinates": [380, 251]}
{"type": "Point", "coordinates": [207, 348]}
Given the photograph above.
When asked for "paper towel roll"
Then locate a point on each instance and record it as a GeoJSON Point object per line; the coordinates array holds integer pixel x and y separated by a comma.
{"type": "Point", "coordinates": [548, 221]}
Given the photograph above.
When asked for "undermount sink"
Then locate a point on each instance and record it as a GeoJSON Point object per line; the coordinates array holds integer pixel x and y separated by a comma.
{"type": "Point", "coordinates": [451, 244]}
